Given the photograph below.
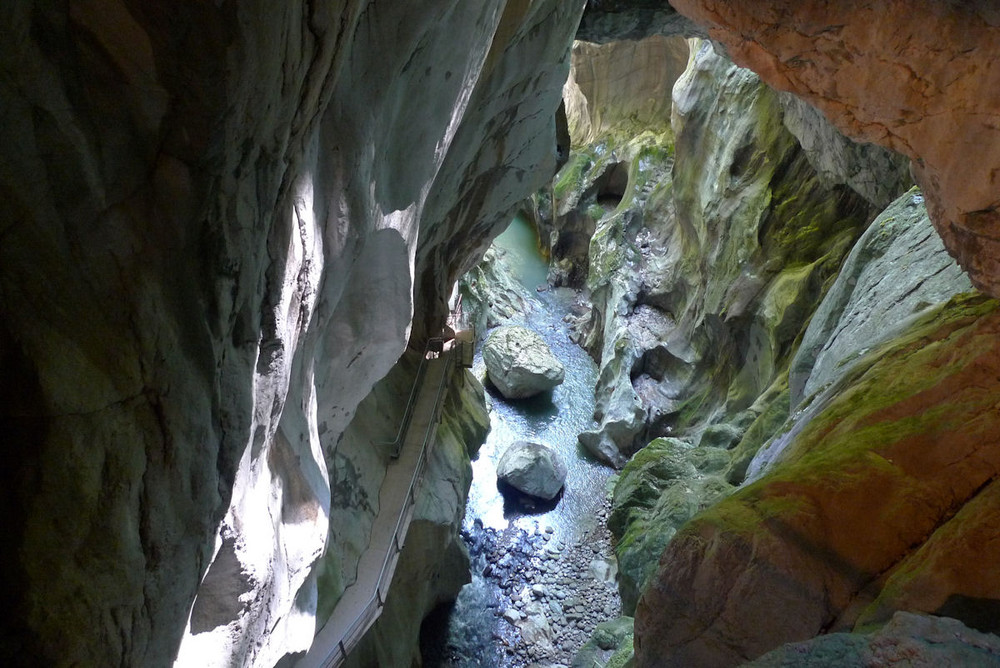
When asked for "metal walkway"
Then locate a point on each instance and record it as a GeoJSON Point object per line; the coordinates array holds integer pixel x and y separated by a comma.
{"type": "Point", "coordinates": [362, 602]}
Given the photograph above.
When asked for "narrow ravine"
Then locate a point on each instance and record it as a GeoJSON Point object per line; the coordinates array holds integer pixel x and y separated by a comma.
{"type": "Point", "coordinates": [542, 577]}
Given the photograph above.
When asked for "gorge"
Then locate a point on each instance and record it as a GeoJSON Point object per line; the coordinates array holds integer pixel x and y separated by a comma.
{"type": "Point", "coordinates": [228, 231]}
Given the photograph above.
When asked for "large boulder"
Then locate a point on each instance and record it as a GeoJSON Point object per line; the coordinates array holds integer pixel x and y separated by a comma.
{"type": "Point", "coordinates": [908, 639]}
{"type": "Point", "coordinates": [533, 469]}
{"type": "Point", "coordinates": [875, 506]}
{"type": "Point", "coordinates": [519, 363]}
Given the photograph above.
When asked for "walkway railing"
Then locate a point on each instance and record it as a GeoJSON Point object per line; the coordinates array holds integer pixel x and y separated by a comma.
{"type": "Point", "coordinates": [367, 616]}
{"type": "Point", "coordinates": [465, 335]}
{"type": "Point", "coordinates": [404, 423]}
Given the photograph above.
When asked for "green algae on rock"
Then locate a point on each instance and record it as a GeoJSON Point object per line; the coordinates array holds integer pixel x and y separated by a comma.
{"type": "Point", "coordinates": [917, 422]}
{"type": "Point", "coordinates": [660, 488]}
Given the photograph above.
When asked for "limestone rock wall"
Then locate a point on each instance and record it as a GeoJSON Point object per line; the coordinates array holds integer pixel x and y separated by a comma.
{"type": "Point", "coordinates": [216, 221]}
{"type": "Point", "coordinates": [701, 287]}
{"type": "Point", "coordinates": [877, 505]}
{"type": "Point", "coordinates": [927, 88]}
{"type": "Point", "coordinates": [621, 86]}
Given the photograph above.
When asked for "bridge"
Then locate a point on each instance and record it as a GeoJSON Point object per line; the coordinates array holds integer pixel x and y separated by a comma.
{"type": "Point", "coordinates": [362, 602]}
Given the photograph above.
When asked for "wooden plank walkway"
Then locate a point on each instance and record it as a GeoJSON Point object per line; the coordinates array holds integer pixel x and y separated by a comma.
{"type": "Point", "coordinates": [362, 601]}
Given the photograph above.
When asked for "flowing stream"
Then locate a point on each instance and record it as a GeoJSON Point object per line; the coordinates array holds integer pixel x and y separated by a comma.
{"type": "Point", "coordinates": [546, 548]}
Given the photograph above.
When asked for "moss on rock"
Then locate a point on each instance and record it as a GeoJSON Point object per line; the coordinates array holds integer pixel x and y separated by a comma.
{"type": "Point", "coordinates": [913, 436]}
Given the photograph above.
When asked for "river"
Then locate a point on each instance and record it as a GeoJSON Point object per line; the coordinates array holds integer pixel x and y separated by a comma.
{"type": "Point", "coordinates": [549, 548]}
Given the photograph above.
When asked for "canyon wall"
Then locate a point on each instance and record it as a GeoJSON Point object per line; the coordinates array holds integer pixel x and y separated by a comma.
{"type": "Point", "coordinates": [704, 274]}
{"type": "Point", "coordinates": [865, 501]}
{"type": "Point", "coordinates": [735, 359]}
{"type": "Point", "coordinates": [929, 88]}
{"type": "Point", "coordinates": [218, 221]}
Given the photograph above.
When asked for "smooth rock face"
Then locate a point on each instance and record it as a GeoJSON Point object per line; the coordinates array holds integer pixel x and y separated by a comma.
{"type": "Point", "coordinates": [519, 362]}
{"type": "Point", "coordinates": [920, 641]}
{"type": "Point", "coordinates": [929, 89]}
{"type": "Point", "coordinates": [218, 220]}
{"type": "Point", "coordinates": [898, 268]}
{"type": "Point", "coordinates": [861, 508]}
{"type": "Point", "coordinates": [620, 84]}
{"type": "Point", "coordinates": [875, 173]}
{"type": "Point", "coordinates": [532, 468]}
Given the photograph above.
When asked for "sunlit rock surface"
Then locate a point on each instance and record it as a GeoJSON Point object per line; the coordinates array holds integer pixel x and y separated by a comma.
{"type": "Point", "coordinates": [621, 86]}
{"type": "Point", "coordinates": [532, 468]}
{"type": "Point", "coordinates": [519, 362]}
{"type": "Point", "coordinates": [216, 222]}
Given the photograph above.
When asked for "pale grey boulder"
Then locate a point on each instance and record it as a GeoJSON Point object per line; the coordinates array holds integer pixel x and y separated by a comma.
{"type": "Point", "coordinates": [532, 468]}
{"type": "Point", "coordinates": [520, 364]}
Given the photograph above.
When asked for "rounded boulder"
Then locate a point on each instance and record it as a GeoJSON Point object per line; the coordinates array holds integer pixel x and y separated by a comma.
{"type": "Point", "coordinates": [533, 469]}
{"type": "Point", "coordinates": [519, 362]}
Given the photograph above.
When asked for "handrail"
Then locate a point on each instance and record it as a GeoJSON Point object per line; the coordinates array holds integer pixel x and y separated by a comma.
{"type": "Point", "coordinates": [370, 613]}
{"type": "Point", "coordinates": [404, 422]}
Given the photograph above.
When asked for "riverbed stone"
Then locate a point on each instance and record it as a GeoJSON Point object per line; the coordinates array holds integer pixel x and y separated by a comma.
{"type": "Point", "coordinates": [519, 362]}
{"type": "Point", "coordinates": [534, 469]}
{"type": "Point", "coordinates": [535, 628]}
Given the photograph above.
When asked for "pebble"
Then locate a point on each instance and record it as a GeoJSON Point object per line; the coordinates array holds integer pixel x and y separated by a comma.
{"type": "Point", "coordinates": [553, 576]}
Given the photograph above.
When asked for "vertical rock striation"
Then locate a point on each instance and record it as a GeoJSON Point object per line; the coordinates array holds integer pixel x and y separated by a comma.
{"type": "Point", "coordinates": [216, 222]}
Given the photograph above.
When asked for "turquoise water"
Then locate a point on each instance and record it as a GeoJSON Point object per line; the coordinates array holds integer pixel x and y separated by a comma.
{"type": "Point", "coordinates": [521, 243]}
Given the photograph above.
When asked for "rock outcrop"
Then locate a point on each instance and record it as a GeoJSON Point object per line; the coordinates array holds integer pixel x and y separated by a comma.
{"type": "Point", "coordinates": [662, 486]}
{"type": "Point", "coordinates": [533, 469]}
{"type": "Point", "coordinates": [921, 641]}
{"type": "Point", "coordinates": [897, 270]}
{"type": "Point", "coordinates": [217, 223]}
{"type": "Point", "coordinates": [928, 89]}
{"type": "Point", "coordinates": [519, 362]}
{"type": "Point", "coordinates": [869, 494]}
{"type": "Point", "coordinates": [622, 87]}
{"type": "Point", "coordinates": [705, 275]}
